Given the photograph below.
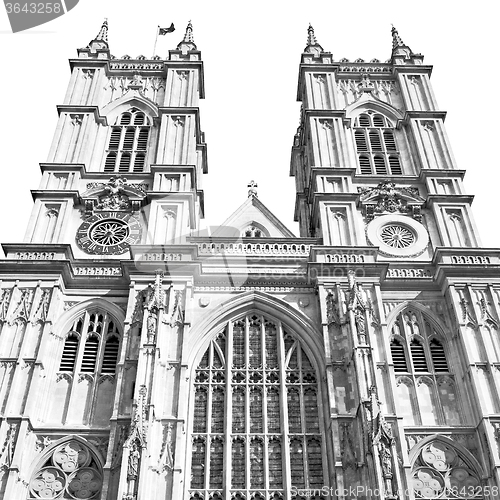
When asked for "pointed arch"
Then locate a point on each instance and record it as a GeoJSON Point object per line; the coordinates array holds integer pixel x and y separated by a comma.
{"type": "Point", "coordinates": [271, 386]}
{"type": "Point", "coordinates": [428, 313]}
{"type": "Point", "coordinates": [375, 105]}
{"type": "Point", "coordinates": [277, 309]}
{"type": "Point", "coordinates": [115, 108]}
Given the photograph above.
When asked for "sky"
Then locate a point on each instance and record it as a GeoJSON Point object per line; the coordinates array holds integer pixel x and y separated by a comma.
{"type": "Point", "coordinates": [251, 53]}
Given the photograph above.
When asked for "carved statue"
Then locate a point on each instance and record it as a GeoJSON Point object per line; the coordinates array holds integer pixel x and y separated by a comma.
{"type": "Point", "coordinates": [133, 461]}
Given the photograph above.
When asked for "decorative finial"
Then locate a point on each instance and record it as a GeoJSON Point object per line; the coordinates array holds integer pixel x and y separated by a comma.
{"type": "Point", "coordinates": [253, 189]}
{"type": "Point", "coordinates": [312, 47]}
{"type": "Point", "coordinates": [187, 43]}
{"type": "Point", "coordinates": [311, 38]}
{"type": "Point", "coordinates": [103, 32]}
{"type": "Point", "coordinates": [396, 39]}
{"type": "Point", "coordinates": [188, 37]}
{"type": "Point", "coordinates": [100, 42]}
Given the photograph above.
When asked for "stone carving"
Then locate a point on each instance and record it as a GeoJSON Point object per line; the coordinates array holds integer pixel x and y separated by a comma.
{"type": "Point", "coordinates": [166, 457]}
{"type": "Point", "coordinates": [359, 307]}
{"type": "Point", "coordinates": [348, 452]}
{"type": "Point", "coordinates": [7, 451]}
{"type": "Point", "coordinates": [387, 198]}
{"type": "Point", "coordinates": [467, 315]}
{"type": "Point", "coordinates": [102, 446]}
{"type": "Point", "coordinates": [117, 455]}
{"type": "Point", "coordinates": [384, 441]}
{"type": "Point", "coordinates": [138, 313]}
{"type": "Point", "coordinates": [42, 442]}
{"type": "Point", "coordinates": [42, 308]}
{"type": "Point", "coordinates": [177, 317]}
{"type": "Point", "coordinates": [470, 259]}
{"type": "Point", "coordinates": [4, 303]}
{"type": "Point", "coordinates": [23, 307]}
{"type": "Point", "coordinates": [152, 323]}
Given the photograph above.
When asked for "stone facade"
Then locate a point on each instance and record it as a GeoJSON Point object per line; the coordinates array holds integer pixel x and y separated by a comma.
{"type": "Point", "coordinates": [141, 358]}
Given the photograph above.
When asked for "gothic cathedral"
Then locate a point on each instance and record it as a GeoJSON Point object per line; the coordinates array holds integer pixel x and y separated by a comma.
{"type": "Point", "coordinates": [142, 358]}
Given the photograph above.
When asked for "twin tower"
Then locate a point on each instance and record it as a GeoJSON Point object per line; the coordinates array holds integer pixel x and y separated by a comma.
{"type": "Point", "coordinates": [143, 359]}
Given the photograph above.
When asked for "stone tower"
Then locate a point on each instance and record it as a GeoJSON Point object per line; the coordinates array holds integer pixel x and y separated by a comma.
{"type": "Point", "coordinates": [144, 359]}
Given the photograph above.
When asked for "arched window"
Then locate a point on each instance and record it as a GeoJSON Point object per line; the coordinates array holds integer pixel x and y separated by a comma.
{"type": "Point", "coordinates": [85, 381]}
{"type": "Point", "coordinates": [70, 471]}
{"type": "Point", "coordinates": [419, 358]}
{"type": "Point", "coordinates": [256, 425]}
{"type": "Point", "coordinates": [376, 145]}
{"type": "Point", "coordinates": [128, 143]}
{"type": "Point", "coordinates": [440, 472]}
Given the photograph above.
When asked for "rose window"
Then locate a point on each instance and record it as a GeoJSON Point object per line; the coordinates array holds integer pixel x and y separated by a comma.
{"type": "Point", "coordinates": [441, 473]}
{"type": "Point", "coordinates": [109, 232]}
{"type": "Point", "coordinates": [70, 472]}
{"type": "Point", "coordinates": [397, 236]}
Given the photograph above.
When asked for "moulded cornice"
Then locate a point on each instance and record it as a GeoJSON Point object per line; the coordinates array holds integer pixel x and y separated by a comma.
{"type": "Point", "coordinates": [55, 194]}
{"type": "Point", "coordinates": [62, 251]}
{"type": "Point", "coordinates": [67, 108]}
{"type": "Point", "coordinates": [435, 172]}
{"type": "Point", "coordinates": [412, 68]}
{"type": "Point", "coordinates": [89, 62]}
{"type": "Point", "coordinates": [62, 167]}
{"type": "Point", "coordinates": [409, 115]}
{"type": "Point", "coordinates": [449, 198]}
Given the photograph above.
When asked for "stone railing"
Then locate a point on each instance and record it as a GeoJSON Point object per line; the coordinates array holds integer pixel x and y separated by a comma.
{"type": "Point", "coordinates": [35, 255]}
{"type": "Point", "coordinates": [409, 273]}
{"type": "Point", "coordinates": [470, 259]}
{"type": "Point", "coordinates": [250, 249]}
{"type": "Point", "coordinates": [97, 271]}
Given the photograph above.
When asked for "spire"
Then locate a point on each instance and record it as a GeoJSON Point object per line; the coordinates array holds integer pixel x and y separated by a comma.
{"type": "Point", "coordinates": [100, 42]}
{"type": "Point", "coordinates": [396, 39]}
{"type": "Point", "coordinates": [187, 43]}
{"type": "Point", "coordinates": [312, 47]}
{"type": "Point", "coordinates": [401, 53]}
{"type": "Point", "coordinates": [311, 37]}
{"type": "Point", "coordinates": [188, 37]}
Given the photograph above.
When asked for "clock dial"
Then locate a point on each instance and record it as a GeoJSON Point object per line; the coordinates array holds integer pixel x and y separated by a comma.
{"type": "Point", "coordinates": [108, 233]}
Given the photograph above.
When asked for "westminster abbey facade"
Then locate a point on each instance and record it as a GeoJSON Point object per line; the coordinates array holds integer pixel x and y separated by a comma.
{"type": "Point", "coordinates": [143, 359]}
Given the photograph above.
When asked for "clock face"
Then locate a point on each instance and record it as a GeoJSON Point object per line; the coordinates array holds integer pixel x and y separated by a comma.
{"type": "Point", "coordinates": [108, 233]}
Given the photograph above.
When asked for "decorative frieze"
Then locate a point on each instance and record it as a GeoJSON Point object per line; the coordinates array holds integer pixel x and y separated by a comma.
{"type": "Point", "coordinates": [35, 255]}
{"type": "Point", "coordinates": [470, 259]}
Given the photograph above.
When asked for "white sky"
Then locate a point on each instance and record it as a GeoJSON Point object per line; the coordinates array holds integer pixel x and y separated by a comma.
{"type": "Point", "coordinates": [251, 52]}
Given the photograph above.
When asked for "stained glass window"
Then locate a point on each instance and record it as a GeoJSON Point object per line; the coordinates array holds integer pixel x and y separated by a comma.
{"type": "Point", "coordinates": [255, 410]}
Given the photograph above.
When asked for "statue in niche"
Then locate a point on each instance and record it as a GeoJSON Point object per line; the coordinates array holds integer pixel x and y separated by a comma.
{"type": "Point", "coordinates": [133, 461]}
{"type": "Point", "coordinates": [151, 325]}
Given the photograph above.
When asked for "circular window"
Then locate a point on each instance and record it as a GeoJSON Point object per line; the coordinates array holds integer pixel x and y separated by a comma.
{"type": "Point", "coordinates": [397, 236]}
{"type": "Point", "coordinates": [109, 232]}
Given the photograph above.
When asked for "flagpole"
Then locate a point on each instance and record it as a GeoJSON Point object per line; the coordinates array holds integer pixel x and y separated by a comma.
{"type": "Point", "coordinates": [156, 40]}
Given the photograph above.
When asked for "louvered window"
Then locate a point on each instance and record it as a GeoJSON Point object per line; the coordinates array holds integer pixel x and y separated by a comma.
{"type": "Point", "coordinates": [110, 355]}
{"type": "Point", "coordinates": [89, 360]}
{"type": "Point", "coordinates": [376, 145]}
{"type": "Point", "coordinates": [418, 356]}
{"type": "Point", "coordinates": [240, 383]}
{"type": "Point", "coordinates": [68, 358]}
{"type": "Point", "coordinates": [398, 356]}
{"type": "Point", "coordinates": [128, 143]}
{"type": "Point", "coordinates": [426, 389]}
{"type": "Point", "coordinates": [100, 338]}
{"type": "Point", "coordinates": [438, 356]}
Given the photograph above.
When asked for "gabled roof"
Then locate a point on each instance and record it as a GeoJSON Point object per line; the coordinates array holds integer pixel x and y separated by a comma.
{"type": "Point", "coordinates": [254, 213]}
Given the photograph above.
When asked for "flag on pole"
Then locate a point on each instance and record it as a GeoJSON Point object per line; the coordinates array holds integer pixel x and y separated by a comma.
{"type": "Point", "coordinates": [164, 31]}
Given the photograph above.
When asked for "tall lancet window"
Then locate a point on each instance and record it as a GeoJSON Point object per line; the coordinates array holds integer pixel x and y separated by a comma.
{"type": "Point", "coordinates": [376, 145]}
{"type": "Point", "coordinates": [426, 387]}
{"type": "Point", "coordinates": [128, 143]}
{"type": "Point", "coordinates": [256, 423]}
